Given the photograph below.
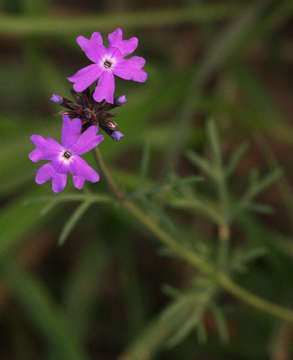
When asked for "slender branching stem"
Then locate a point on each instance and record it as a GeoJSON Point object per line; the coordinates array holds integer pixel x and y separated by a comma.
{"type": "Point", "coordinates": [224, 228]}
{"type": "Point", "coordinates": [224, 237]}
{"type": "Point", "coordinates": [100, 162]}
{"type": "Point", "coordinates": [190, 257]}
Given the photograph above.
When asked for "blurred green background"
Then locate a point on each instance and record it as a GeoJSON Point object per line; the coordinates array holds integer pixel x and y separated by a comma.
{"type": "Point", "coordinates": [100, 295]}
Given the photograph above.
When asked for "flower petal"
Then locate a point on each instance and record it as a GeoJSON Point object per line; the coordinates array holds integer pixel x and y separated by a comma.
{"type": "Point", "coordinates": [70, 131]}
{"type": "Point", "coordinates": [79, 167]}
{"type": "Point", "coordinates": [78, 182]}
{"type": "Point", "coordinates": [126, 47]}
{"type": "Point", "coordinates": [36, 155]}
{"type": "Point", "coordinates": [59, 182]}
{"type": "Point", "coordinates": [130, 69]}
{"type": "Point", "coordinates": [105, 88]}
{"type": "Point", "coordinates": [44, 174]}
{"type": "Point", "coordinates": [87, 141]}
{"type": "Point", "coordinates": [61, 166]}
{"type": "Point", "coordinates": [49, 147]}
{"type": "Point", "coordinates": [92, 47]}
{"type": "Point", "coordinates": [85, 77]}
{"type": "Point", "coordinates": [114, 53]}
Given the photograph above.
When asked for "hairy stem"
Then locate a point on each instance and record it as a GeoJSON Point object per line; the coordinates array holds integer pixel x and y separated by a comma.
{"type": "Point", "coordinates": [193, 259]}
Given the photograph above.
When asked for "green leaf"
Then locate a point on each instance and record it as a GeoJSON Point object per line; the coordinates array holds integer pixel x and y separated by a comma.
{"type": "Point", "coordinates": [242, 256]}
{"type": "Point", "coordinates": [214, 143]}
{"type": "Point", "coordinates": [197, 205]}
{"type": "Point", "coordinates": [41, 26]}
{"type": "Point", "coordinates": [236, 157]}
{"type": "Point", "coordinates": [81, 294]}
{"type": "Point", "coordinates": [191, 323]}
{"type": "Point", "coordinates": [200, 162]}
{"type": "Point", "coordinates": [17, 219]}
{"type": "Point", "coordinates": [256, 187]}
{"type": "Point", "coordinates": [145, 162]}
{"type": "Point", "coordinates": [42, 311]}
{"type": "Point", "coordinates": [73, 220]}
{"type": "Point", "coordinates": [221, 323]}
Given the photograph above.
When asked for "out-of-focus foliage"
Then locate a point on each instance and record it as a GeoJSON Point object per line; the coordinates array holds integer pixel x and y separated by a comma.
{"type": "Point", "coordinates": [111, 292]}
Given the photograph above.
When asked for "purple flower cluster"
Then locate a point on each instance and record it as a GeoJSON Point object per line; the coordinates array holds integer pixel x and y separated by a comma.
{"type": "Point", "coordinates": [90, 111]}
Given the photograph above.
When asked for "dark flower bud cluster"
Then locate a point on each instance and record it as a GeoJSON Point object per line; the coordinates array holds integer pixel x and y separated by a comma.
{"type": "Point", "coordinates": [91, 112]}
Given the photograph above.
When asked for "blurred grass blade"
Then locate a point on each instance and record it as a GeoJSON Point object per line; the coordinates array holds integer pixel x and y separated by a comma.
{"type": "Point", "coordinates": [73, 220]}
{"type": "Point", "coordinates": [145, 163]}
{"type": "Point", "coordinates": [215, 56]}
{"type": "Point", "coordinates": [155, 335]}
{"type": "Point", "coordinates": [40, 26]}
{"type": "Point", "coordinates": [17, 219]}
{"type": "Point", "coordinates": [201, 333]}
{"type": "Point", "coordinates": [82, 291]}
{"type": "Point", "coordinates": [41, 310]}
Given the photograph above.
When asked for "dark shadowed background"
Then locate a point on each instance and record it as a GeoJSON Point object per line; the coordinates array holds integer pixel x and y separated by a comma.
{"type": "Point", "coordinates": [101, 295]}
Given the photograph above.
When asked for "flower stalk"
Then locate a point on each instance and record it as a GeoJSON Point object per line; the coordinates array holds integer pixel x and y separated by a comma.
{"type": "Point", "coordinates": [190, 257]}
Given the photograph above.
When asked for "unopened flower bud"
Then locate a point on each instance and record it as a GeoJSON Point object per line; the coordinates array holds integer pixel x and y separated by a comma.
{"type": "Point", "coordinates": [117, 135]}
{"type": "Point", "coordinates": [121, 100]}
{"type": "Point", "coordinates": [111, 125]}
{"type": "Point", "coordinates": [57, 99]}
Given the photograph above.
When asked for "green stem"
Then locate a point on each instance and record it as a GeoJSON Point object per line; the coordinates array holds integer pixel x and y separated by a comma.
{"type": "Point", "coordinates": [224, 229]}
{"type": "Point", "coordinates": [193, 259]}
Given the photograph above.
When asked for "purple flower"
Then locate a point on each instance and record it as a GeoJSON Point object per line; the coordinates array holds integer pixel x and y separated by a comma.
{"type": "Point", "coordinates": [107, 63]}
{"type": "Point", "coordinates": [65, 158]}
{"type": "Point", "coordinates": [57, 99]}
{"type": "Point", "coordinates": [121, 100]}
{"type": "Point", "coordinates": [117, 135]}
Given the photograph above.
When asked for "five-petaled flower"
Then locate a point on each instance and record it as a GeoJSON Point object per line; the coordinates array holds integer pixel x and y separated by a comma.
{"type": "Point", "coordinates": [107, 63]}
{"type": "Point", "coordinates": [65, 158]}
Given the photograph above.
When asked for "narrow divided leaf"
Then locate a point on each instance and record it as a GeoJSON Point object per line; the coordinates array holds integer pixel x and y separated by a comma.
{"type": "Point", "coordinates": [214, 143]}
{"type": "Point", "coordinates": [200, 162]}
{"type": "Point", "coordinates": [220, 320]}
{"type": "Point", "coordinates": [236, 157]}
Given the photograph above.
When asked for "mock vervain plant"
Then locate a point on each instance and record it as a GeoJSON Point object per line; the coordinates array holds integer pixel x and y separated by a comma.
{"type": "Point", "coordinates": [85, 118]}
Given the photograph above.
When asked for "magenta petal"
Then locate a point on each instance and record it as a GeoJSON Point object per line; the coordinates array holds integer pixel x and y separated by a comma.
{"type": "Point", "coordinates": [59, 182]}
{"type": "Point", "coordinates": [126, 47]}
{"type": "Point", "coordinates": [78, 182]}
{"type": "Point", "coordinates": [105, 88]}
{"type": "Point", "coordinates": [91, 47]}
{"type": "Point", "coordinates": [115, 36]}
{"type": "Point", "coordinates": [70, 131]}
{"type": "Point", "coordinates": [130, 69]}
{"type": "Point", "coordinates": [85, 77]}
{"type": "Point", "coordinates": [60, 166]}
{"type": "Point", "coordinates": [36, 155]}
{"type": "Point", "coordinates": [79, 167]}
{"type": "Point", "coordinates": [87, 141]}
{"type": "Point", "coordinates": [114, 53]}
{"type": "Point", "coordinates": [49, 147]}
{"type": "Point", "coordinates": [44, 174]}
